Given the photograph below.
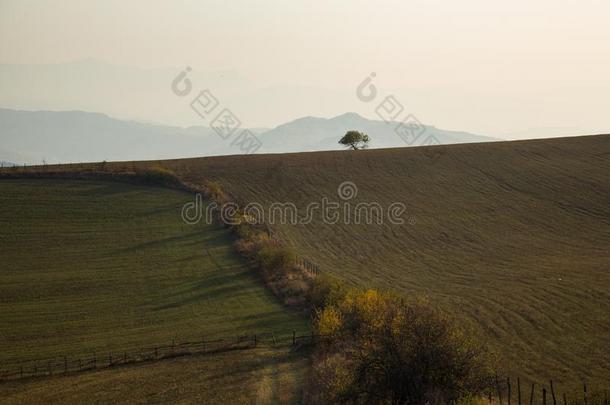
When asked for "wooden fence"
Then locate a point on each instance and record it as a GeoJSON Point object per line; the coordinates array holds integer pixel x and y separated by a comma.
{"type": "Point", "coordinates": [501, 390]}
{"type": "Point", "coordinates": [504, 391]}
{"type": "Point", "coordinates": [308, 265]}
{"type": "Point", "coordinates": [66, 364]}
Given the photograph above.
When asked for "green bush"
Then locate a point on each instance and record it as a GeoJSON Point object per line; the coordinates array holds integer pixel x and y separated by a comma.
{"type": "Point", "coordinates": [275, 259]}
{"type": "Point", "coordinates": [159, 176]}
{"type": "Point", "coordinates": [326, 290]}
{"type": "Point", "coordinates": [216, 192]}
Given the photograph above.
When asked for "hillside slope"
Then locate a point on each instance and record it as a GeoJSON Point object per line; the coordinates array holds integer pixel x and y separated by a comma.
{"type": "Point", "coordinates": [92, 266]}
{"type": "Point", "coordinates": [514, 237]}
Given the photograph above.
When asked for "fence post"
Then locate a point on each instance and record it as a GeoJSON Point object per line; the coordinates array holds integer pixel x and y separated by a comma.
{"type": "Point", "coordinates": [509, 390]}
{"type": "Point", "coordinates": [518, 390]}
{"type": "Point", "coordinates": [565, 400]}
{"type": "Point", "coordinates": [499, 390]}
{"type": "Point", "coordinates": [532, 395]}
{"type": "Point", "coordinates": [544, 396]}
{"type": "Point", "coordinates": [553, 393]}
{"type": "Point", "coordinates": [584, 386]}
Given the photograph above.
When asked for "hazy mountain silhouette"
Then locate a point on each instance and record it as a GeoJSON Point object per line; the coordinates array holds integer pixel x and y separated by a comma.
{"type": "Point", "coordinates": [312, 134]}
{"type": "Point", "coordinates": [76, 136]}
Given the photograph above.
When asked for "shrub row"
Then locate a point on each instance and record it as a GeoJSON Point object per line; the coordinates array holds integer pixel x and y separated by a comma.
{"type": "Point", "coordinates": [275, 261]}
{"type": "Point", "coordinates": [154, 176]}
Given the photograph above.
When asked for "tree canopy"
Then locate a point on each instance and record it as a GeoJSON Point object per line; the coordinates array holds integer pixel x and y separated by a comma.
{"type": "Point", "coordinates": [355, 140]}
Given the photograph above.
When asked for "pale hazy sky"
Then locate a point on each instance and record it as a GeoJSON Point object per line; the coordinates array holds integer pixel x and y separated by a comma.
{"type": "Point", "coordinates": [485, 66]}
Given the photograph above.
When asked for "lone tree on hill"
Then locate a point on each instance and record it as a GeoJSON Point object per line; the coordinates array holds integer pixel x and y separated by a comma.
{"type": "Point", "coordinates": [355, 140]}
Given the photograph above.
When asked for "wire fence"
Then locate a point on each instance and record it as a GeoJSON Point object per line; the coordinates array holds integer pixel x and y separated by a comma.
{"type": "Point", "coordinates": [308, 265]}
{"type": "Point", "coordinates": [506, 391]}
{"type": "Point", "coordinates": [501, 390]}
{"type": "Point", "coordinates": [67, 364]}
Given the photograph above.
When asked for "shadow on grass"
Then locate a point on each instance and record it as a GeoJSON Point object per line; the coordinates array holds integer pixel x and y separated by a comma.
{"type": "Point", "coordinates": [215, 288]}
{"type": "Point", "coordinates": [208, 238]}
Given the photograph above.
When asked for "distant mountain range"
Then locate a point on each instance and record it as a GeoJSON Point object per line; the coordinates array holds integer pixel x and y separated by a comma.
{"type": "Point", "coordinates": [32, 137]}
{"type": "Point", "coordinates": [314, 134]}
{"type": "Point", "coordinates": [144, 94]}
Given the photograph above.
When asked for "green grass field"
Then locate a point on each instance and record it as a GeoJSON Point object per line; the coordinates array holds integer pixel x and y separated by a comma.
{"type": "Point", "coordinates": [87, 265]}
{"type": "Point", "coordinates": [511, 237]}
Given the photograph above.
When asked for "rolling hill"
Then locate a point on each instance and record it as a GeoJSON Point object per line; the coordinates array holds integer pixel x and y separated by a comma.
{"type": "Point", "coordinates": [513, 237]}
{"type": "Point", "coordinates": [93, 266]}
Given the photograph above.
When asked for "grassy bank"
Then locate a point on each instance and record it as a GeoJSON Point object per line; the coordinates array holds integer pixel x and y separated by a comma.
{"type": "Point", "coordinates": [92, 265]}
